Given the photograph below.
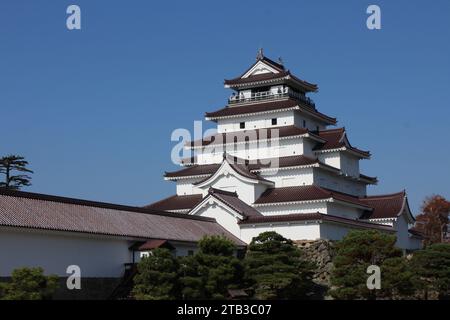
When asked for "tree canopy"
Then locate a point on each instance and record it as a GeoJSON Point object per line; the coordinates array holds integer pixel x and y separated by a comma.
{"type": "Point", "coordinates": [432, 267]}
{"type": "Point", "coordinates": [355, 253]}
{"type": "Point", "coordinates": [29, 284]}
{"type": "Point", "coordinates": [212, 270]}
{"type": "Point", "coordinates": [14, 163]}
{"type": "Point", "coordinates": [433, 220]}
{"type": "Point", "coordinates": [156, 277]}
{"type": "Point", "coordinates": [275, 269]}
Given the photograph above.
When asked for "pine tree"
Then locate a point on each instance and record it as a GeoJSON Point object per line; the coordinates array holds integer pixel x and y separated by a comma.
{"type": "Point", "coordinates": [355, 253]}
{"type": "Point", "coordinates": [156, 277]}
{"type": "Point", "coordinates": [211, 271]}
{"type": "Point", "coordinates": [29, 284]}
{"type": "Point", "coordinates": [432, 269]}
{"type": "Point", "coordinates": [274, 267]}
{"type": "Point", "coordinates": [12, 163]}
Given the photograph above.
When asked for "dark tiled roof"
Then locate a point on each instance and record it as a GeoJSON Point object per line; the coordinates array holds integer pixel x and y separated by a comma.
{"type": "Point", "coordinates": [153, 244]}
{"type": "Point", "coordinates": [372, 179]}
{"type": "Point", "coordinates": [312, 217]}
{"type": "Point", "coordinates": [335, 139]}
{"type": "Point", "coordinates": [241, 169]}
{"type": "Point", "coordinates": [195, 170]}
{"type": "Point", "coordinates": [384, 206]}
{"type": "Point", "coordinates": [232, 200]}
{"type": "Point", "coordinates": [291, 161]}
{"type": "Point", "coordinates": [286, 76]}
{"type": "Point", "coordinates": [253, 108]}
{"type": "Point", "coordinates": [267, 107]}
{"type": "Point", "coordinates": [250, 135]}
{"type": "Point", "coordinates": [256, 78]}
{"type": "Point", "coordinates": [176, 202]}
{"type": "Point", "coordinates": [305, 193]}
{"type": "Point", "coordinates": [45, 212]}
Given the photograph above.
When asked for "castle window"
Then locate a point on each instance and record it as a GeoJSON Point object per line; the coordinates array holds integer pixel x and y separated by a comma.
{"type": "Point", "coordinates": [242, 125]}
{"type": "Point", "coordinates": [304, 123]}
{"type": "Point", "coordinates": [274, 121]}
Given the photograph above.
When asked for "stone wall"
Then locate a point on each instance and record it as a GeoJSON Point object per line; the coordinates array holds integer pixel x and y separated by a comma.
{"type": "Point", "coordinates": [321, 252]}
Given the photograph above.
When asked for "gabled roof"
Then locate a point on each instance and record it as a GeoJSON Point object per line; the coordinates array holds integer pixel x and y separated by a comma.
{"type": "Point", "coordinates": [305, 193]}
{"type": "Point", "coordinates": [337, 139]}
{"type": "Point", "coordinates": [45, 212]}
{"type": "Point", "coordinates": [240, 169]}
{"type": "Point", "coordinates": [280, 72]}
{"type": "Point", "coordinates": [268, 107]}
{"type": "Point", "coordinates": [232, 200]}
{"type": "Point", "coordinates": [176, 203]}
{"type": "Point", "coordinates": [387, 206]}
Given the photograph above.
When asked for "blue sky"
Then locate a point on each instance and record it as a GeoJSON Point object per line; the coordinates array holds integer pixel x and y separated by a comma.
{"type": "Point", "coordinates": [93, 110]}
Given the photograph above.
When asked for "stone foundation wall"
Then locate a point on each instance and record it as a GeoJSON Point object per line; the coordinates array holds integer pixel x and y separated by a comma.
{"type": "Point", "coordinates": [322, 253]}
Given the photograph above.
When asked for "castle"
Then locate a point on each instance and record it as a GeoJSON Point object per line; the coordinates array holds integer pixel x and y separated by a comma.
{"type": "Point", "coordinates": [275, 165]}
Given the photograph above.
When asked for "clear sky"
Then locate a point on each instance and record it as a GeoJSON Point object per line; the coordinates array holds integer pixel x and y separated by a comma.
{"type": "Point", "coordinates": [93, 109]}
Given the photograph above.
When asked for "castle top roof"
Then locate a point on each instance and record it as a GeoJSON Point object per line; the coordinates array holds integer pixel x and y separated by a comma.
{"type": "Point", "coordinates": [264, 71]}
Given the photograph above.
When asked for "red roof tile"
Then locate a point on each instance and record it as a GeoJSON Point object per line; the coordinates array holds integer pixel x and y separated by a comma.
{"type": "Point", "coordinates": [268, 107]}
{"type": "Point", "coordinates": [384, 206]}
{"type": "Point", "coordinates": [232, 200]}
{"type": "Point", "coordinates": [153, 244]}
{"type": "Point", "coordinates": [314, 217]}
{"type": "Point", "coordinates": [291, 161]}
{"type": "Point", "coordinates": [176, 202]}
{"type": "Point", "coordinates": [305, 193]}
{"type": "Point", "coordinates": [36, 211]}
{"type": "Point", "coordinates": [336, 139]}
{"type": "Point", "coordinates": [250, 135]}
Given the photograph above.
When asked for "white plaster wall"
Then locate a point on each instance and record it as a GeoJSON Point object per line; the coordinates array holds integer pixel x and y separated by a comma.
{"type": "Point", "coordinates": [225, 217]}
{"type": "Point", "coordinates": [310, 122]}
{"type": "Point", "coordinates": [186, 187]}
{"type": "Point", "coordinates": [245, 190]}
{"type": "Point", "coordinates": [332, 231]}
{"type": "Point", "coordinates": [350, 164]}
{"type": "Point", "coordinates": [253, 150]}
{"type": "Point", "coordinates": [331, 158]}
{"type": "Point", "coordinates": [404, 240]}
{"type": "Point", "coordinates": [291, 177]}
{"type": "Point", "coordinates": [289, 209]}
{"type": "Point", "coordinates": [332, 181]}
{"type": "Point", "coordinates": [54, 252]}
{"type": "Point", "coordinates": [293, 231]}
{"type": "Point", "coordinates": [340, 210]}
{"type": "Point", "coordinates": [256, 122]}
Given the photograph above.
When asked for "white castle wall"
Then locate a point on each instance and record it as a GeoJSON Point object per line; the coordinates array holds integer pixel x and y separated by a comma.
{"type": "Point", "coordinates": [256, 121]}
{"type": "Point", "coordinates": [186, 187]}
{"type": "Point", "coordinates": [293, 230]}
{"type": "Point", "coordinates": [337, 209]}
{"type": "Point", "coordinates": [338, 183]}
{"type": "Point", "coordinates": [293, 208]}
{"type": "Point", "coordinates": [302, 120]}
{"type": "Point", "coordinates": [290, 178]}
{"type": "Point", "coordinates": [225, 217]}
{"type": "Point", "coordinates": [252, 151]}
{"type": "Point", "coordinates": [55, 251]}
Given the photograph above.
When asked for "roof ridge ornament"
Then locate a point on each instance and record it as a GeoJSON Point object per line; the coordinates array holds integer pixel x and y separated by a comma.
{"type": "Point", "coordinates": [260, 54]}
